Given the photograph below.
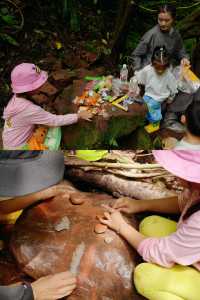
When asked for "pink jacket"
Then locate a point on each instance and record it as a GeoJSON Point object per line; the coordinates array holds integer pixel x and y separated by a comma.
{"type": "Point", "coordinates": [22, 115]}
{"type": "Point", "coordinates": [181, 247]}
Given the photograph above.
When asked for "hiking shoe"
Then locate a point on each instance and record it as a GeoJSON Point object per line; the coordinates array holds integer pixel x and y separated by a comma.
{"type": "Point", "coordinates": [152, 127]}
{"type": "Point", "coordinates": [175, 126]}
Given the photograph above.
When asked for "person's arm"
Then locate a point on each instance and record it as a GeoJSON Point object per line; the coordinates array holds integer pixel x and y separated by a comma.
{"type": "Point", "coordinates": [21, 202]}
{"type": "Point", "coordinates": [49, 287]}
{"type": "Point", "coordinates": [141, 76]}
{"type": "Point", "coordinates": [164, 205]}
{"type": "Point", "coordinates": [172, 85]}
{"type": "Point", "coordinates": [181, 247]}
{"type": "Point", "coordinates": [181, 53]}
{"type": "Point", "coordinates": [34, 114]}
{"type": "Point", "coordinates": [54, 286]}
{"type": "Point", "coordinates": [140, 51]}
{"type": "Point", "coordinates": [19, 292]}
{"type": "Point", "coordinates": [114, 220]}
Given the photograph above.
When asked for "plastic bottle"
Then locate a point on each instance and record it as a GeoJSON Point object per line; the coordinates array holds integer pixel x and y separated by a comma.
{"type": "Point", "coordinates": [124, 73]}
{"type": "Point", "coordinates": [133, 88]}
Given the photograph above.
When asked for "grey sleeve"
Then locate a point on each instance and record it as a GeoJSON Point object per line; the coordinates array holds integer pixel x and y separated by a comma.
{"type": "Point", "coordinates": [140, 51]}
{"type": "Point", "coordinates": [21, 292]}
{"type": "Point", "coordinates": [180, 49]}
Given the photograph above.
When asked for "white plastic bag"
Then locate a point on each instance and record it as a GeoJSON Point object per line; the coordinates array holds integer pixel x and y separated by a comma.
{"type": "Point", "coordinates": [187, 81]}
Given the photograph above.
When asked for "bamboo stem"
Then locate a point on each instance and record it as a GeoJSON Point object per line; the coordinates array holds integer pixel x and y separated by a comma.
{"type": "Point", "coordinates": [114, 165]}
{"type": "Point", "coordinates": [138, 175]}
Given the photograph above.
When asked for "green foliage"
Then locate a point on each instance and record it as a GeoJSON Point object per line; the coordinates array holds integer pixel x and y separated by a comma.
{"type": "Point", "coordinates": [141, 139]}
{"type": "Point", "coordinates": [119, 127]}
{"type": "Point", "coordinates": [71, 14]}
{"type": "Point", "coordinates": [6, 17]}
{"type": "Point", "coordinates": [189, 45]}
{"type": "Point", "coordinates": [8, 23]}
{"type": "Point", "coordinates": [8, 39]}
{"type": "Point", "coordinates": [157, 143]}
{"type": "Point", "coordinates": [132, 40]}
{"type": "Point", "coordinates": [98, 47]}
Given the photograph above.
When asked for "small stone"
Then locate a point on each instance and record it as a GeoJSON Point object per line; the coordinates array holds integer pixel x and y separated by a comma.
{"type": "Point", "coordinates": [63, 224]}
{"type": "Point", "coordinates": [108, 239]}
{"type": "Point", "coordinates": [99, 216]}
{"type": "Point", "coordinates": [77, 199]}
{"type": "Point", "coordinates": [100, 228]}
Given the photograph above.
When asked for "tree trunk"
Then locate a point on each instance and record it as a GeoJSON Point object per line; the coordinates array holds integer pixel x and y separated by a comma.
{"type": "Point", "coordinates": [122, 21]}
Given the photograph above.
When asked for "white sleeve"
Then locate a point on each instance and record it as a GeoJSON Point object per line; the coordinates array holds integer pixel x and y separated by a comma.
{"type": "Point", "coordinates": [141, 76]}
{"type": "Point", "coordinates": [172, 85]}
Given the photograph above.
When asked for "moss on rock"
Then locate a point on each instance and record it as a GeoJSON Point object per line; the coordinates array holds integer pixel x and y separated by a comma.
{"type": "Point", "coordinates": [100, 134]}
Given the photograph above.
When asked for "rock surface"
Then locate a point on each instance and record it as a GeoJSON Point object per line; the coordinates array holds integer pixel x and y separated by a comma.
{"type": "Point", "coordinates": [56, 235]}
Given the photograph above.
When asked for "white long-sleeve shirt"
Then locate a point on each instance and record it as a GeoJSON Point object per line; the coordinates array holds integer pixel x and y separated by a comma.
{"type": "Point", "coordinates": [158, 87]}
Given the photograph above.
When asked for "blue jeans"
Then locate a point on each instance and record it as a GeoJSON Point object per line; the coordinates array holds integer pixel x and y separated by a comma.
{"type": "Point", "coordinates": [154, 109]}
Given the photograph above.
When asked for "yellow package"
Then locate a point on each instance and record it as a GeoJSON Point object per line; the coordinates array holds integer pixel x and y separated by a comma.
{"type": "Point", "coordinates": [152, 127]}
{"type": "Point", "coordinates": [189, 75]}
{"type": "Point", "coordinates": [10, 218]}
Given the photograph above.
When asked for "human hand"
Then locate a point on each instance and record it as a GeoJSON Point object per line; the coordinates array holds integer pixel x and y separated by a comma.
{"type": "Point", "coordinates": [169, 100]}
{"type": "Point", "coordinates": [127, 205]}
{"type": "Point", "coordinates": [185, 62]}
{"type": "Point", "coordinates": [58, 189]}
{"type": "Point", "coordinates": [113, 219]}
{"type": "Point", "coordinates": [54, 286]}
{"type": "Point", "coordinates": [85, 115]}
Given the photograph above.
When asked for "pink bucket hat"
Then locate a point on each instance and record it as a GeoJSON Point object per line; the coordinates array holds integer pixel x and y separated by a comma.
{"type": "Point", "coordinates": [27, 77]}
{"type": "Point", "coordinates": [182, 163]}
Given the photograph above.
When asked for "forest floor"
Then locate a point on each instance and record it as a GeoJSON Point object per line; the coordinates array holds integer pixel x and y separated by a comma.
{"type": "Point", "coordinates": [67, 56]}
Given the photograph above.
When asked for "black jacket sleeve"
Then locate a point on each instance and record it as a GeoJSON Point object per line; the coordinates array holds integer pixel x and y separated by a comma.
{"type": "Point", "coordinates": [21, 292]}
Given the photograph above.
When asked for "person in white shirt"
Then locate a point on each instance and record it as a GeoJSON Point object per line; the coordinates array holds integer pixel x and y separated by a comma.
{"type": "Point", "coordinates": [160, 85]}
{"type": "Point", "coordinates": [191, 120]}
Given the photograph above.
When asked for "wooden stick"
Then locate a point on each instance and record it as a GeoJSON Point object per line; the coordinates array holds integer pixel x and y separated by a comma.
{"type": "Point", "coordinates": [137, 175]}
{"type": "Point", "coordinates": [115, 165]}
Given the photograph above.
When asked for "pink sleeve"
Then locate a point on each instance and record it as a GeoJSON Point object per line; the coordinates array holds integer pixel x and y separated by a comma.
{"type": "Point", "coordinates": [34, 114]}
{"type": "Point", "coordinates": [181, 247]}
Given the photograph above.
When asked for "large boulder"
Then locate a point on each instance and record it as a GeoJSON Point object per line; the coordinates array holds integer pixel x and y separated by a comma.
{"type": "Point", "coordinates": [59, 235]}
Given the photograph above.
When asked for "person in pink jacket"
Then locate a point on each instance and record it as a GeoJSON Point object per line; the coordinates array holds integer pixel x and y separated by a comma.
{"type": "Point", "coordinates": [21, 115]}
{"type": "Point", "coordinates": [171, 251]}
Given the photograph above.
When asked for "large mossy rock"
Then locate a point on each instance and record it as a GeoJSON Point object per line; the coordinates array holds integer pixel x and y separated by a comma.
{"type": "Point", "coordinates": [102, 131]}
{"type": "Point", "coordinates": [105, 130]}
{"type": "Point", "coordinates": [57, 235]}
